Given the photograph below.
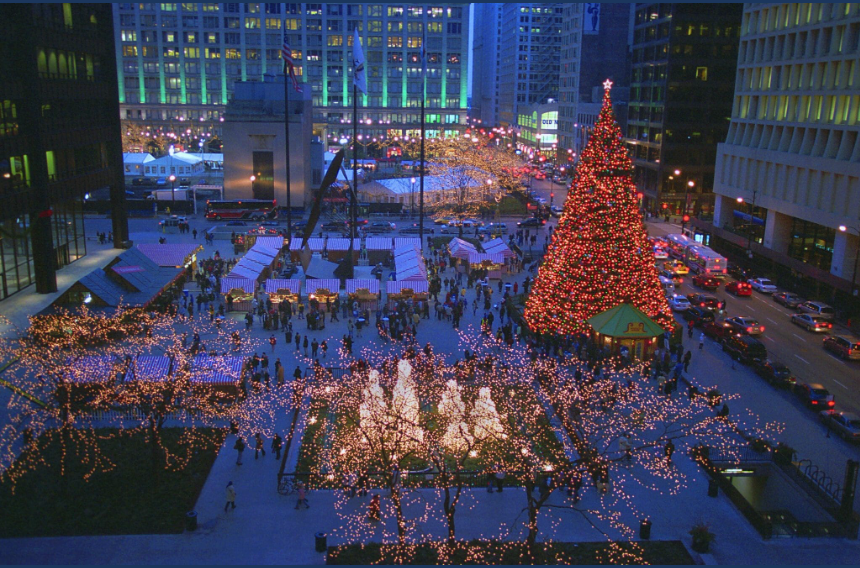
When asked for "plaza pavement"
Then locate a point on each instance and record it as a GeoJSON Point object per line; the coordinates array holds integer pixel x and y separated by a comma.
{"type": "Point", "coordinates": [265, 528]}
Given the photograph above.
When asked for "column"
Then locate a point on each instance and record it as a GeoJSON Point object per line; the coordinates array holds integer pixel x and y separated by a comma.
{"type": "Point", "coordinates": [844, 254]}
{"type": "Point", "coordinates": [777, 231]}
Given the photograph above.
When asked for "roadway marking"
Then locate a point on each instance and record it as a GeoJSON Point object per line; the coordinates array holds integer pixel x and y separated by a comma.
{"type": "Point", "coordinates": [768, 338]}
{"type": "Point", "coordinates": [840, 384]}
{"type": "Point", "coordinates": [771, 321]}
{"type": "Point", "coordinates": [800, 338]}
{"type": "Point", "coordinates": [801, 358]}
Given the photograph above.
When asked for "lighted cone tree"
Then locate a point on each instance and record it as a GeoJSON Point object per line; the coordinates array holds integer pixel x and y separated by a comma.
{"type": "Point", "coordinates": [599, 255]}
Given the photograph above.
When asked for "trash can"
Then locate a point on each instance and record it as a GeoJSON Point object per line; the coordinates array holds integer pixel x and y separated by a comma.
{"type": "Point", "coordinates": [320, 539]}
{"type": "Point", "coordinates": [191, 521]}
{"type": "Point", "coordinates": [713, 488]}
{"type": "Point", "coordinates": [645, 529]}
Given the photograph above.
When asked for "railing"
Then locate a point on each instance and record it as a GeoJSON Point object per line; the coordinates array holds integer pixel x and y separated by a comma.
{"type": "Point", "coordinates": [827, 492]}
{"type": "Point", "coordinates": [423, 479]}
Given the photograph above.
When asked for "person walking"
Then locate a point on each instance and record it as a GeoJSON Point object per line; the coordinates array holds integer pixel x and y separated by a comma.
{"type": "Point", "coordinates": [373, 508]}
{"type": "Point", "coordinates": [302, 496]}
{"type": "Point", "coordinates": [279, 372]}
{"type": "Point", "coordinates": [258, 445]}
{"type": "Point", "coordinates": [690, 329]}
{"type": "Point", "coordinates": [231, 497]}
{"type": "Point", "coordinates": [669, 450]}
{"type": "Point", "coordinates": [687, 358]}
{"type": "Point", "coordinates": [701, 341]}
{"type": "Point", "coordinates": [324, 348]}
{"type": "Point", "coordinates": [239, 446]}
{"type": "Point", "coordinates": [298, 340]}
{"type": "Point", "coordinates": [277, 444]}
{"type": "Point", "coordinates": [305, 344]}
{"type": "Point", "coordinates": [273, 341]}
{"type": "Point", "coordinates": [500, 478]}
{"type": "Point", "coordinates": [314, 348]}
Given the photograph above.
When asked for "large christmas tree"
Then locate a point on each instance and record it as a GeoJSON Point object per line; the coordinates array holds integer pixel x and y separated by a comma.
{"type": "Point", "coordinates": [599, 256]}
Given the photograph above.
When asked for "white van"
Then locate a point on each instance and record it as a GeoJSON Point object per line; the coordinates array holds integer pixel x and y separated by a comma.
{"type": "Point", "coordinates": [668, 285]}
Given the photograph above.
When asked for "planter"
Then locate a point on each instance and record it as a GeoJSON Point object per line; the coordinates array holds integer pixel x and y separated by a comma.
{"type": "Point", "coordinates": [701, 545]}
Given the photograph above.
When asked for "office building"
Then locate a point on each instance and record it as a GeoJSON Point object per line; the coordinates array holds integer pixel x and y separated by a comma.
{"type": "Point", "coordinates": [568, 86]}
{"type": "Point", "coordinates": [683, 67]}
{"type": "Point", "coordinates": [59, 137]}
{"type": "Point", "coordinates": [792, 152]}
{"type": "Point", "coordinates": [485, 63]}
{"type": "Point", "coordinates": [180, 61]}
{"type": "Point", "coordinates": [538, 130]}
{"type": "Point", "coordinates": [529, 57]}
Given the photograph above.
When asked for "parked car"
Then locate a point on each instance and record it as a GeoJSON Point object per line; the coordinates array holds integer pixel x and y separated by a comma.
{"type": "Point", "coordinates": [660, 254]}
{"type": "Point", "coordinates": [556, 210]}
{"type": "Point", "coordinates": [699, 316]}
{"type": "Point", "coordinates": [811, 322]}
{"type": "Point", "coordinates": [844, 346]}
{"type": "Point", "coordinates": [706, 282]}
{"type": "Point", "coordinates": [763, 285]}
{"type": "Point", "coordinates": [334, 227]}
{"type": "Point", "coordinates": [540, 175]}
{"type": "Point", "coordinates": [679, 303]}
{"type": "Point", "coordinates": [845, 424]}
{"type": "Point", "coordinates": [531, 222]}
{"type": "Point", "coordinates": [817, 308]}
{"type": "Point", "coordinates": [737, 272]}
{"type": "Point", "coordinates": [494, 229]}
{"type": "Point", "coordinates": [788, 299]}
{"type": "Point", "coordinates": [814, 395]}
{"type": "Point", "coordinates": [541, 200]}
{"type": "Point", "coordinates": [744, 348]}
{"type": "Point", "coordinates": [441, 221]}
{"type": "Point", "coordinates": [717, 330]}
{"type": "Point", "coordinates": [776, 373]}
{"type": "Point", "coordinates": [748, 326]}
{"type": "Point", "coordinates": [676, 267]}
{"type": "Point", "coordinates": [706, 302]}
{"type": "Point", "coordinates": [380, 227]}
{"type": "Point", "coordinates": [413, 229]}
{"type": "Point", "coordinates": [739, 288]}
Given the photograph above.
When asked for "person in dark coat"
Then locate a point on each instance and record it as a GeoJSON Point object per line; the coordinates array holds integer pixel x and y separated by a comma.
{"type": "Point", "coordinates": [258, 445]}
{"type": "Point", "coordinates": [277, 444]}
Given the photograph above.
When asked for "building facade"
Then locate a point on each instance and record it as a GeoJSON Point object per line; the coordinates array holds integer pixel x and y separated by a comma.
{"type": "Point", "coordinates": [568, 82]}
{"type": "Point", "coordinates": [59, 137]}
{"type": "Point", "coordinates": [682, 79]}
{"type": "Point", "coordinates": [538, 130]}
{"type": "Point", "coordinates": [180, 61]}
{"type": "Point", "coordinates": [485, 63]}
{"type": "Point", "coordinates": [529, 57]}
{"type": "Point", "coordinates": [792, 152]}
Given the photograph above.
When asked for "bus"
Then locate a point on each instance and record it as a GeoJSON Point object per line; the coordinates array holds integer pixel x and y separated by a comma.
{"type": "Point", "coordinates": [253, 209]}
{"type": "Point", "coordinates": [702, 260]}
{"type": "Point", "coordinates": [678, 244]}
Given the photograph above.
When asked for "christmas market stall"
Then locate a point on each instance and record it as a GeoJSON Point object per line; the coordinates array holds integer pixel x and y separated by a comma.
{"type": "Point", "coordinates": [90, 376]}
{"type": "Point", "coordinates": [221, 377]}
{"type": "Point", "coordinates": [498, 246]}
{"type": "Point", "coordinates": [283, 290]}
{"type": "Point", "coordinates": [406, 290]}
{"type": "Point", "coordinates": [315, 244]}
{"type": "Point", "coordinates": [150, 368]}
{"type": "Point", "coordinates": [238, 292]}
{"type": "Point", "coordinates": [626, 330]}
{"type": "Point", "coordinates": [338, 248]}
{"type": "Point", "coordinates": [172, 255]}
{"type": "Point", "coordinates": [378, 250]}
{"type": "Point", "coordinates": [412, 242]}
{"type": "Point", "coordinates": [460, 249]}
{"type": "Point", "coordinates": [322, 291]}
{"type": "Point", "coordinates": [364, 291]}
{"type": "Point", "coordinates": [493, 263]}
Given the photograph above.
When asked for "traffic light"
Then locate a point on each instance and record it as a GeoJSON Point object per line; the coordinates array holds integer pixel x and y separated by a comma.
{"type": "Point", "coordinates": [552, 195]}
{"type": "Point", "coordinates": [640, 195]}
{"type": "Point", "coordinates": [665, 206]}
{"type": "Point", "coordinates": [686, 218]}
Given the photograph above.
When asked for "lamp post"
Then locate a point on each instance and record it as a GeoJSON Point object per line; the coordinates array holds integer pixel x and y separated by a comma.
{"type": "Point", "coordinates": [685, 216]}
{"type": "Point", "coordinates": [172, 179]}
{"type": "Point", "coordinates": [844, 228]}
{"type": "Point", "coordinates": [749, 230]}
{"type": "Point", "coordinates": [412, 199]}
{"type": "Point", "coordinates": [253, 178]}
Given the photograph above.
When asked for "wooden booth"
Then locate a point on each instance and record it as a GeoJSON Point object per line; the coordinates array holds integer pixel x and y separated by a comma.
{"type": "Point", "coordinates": [406, 290]}
{"type": "Point", "coordinates": [460, 250]}
{"type": "Point", "coordinates": [240, 291]}
{"type": "Point", "coordinates": [493, 263]}
{"type": "Point", "coordinates": [322, 290]}
{"type": "Point", "coordinates": [315, 244]}
{"type": "Point", "coordinates": [219, 377]}
{"type": "Point", "coordinates": [365, 292]}
{"type": "Point", "coordinates": [91, 376]}
{"type": "Point", "coordinates": [498, 246]}
{"type": "Point", "coordinates": [338, 249]}
{"type": "Point", "coordinates": [626, 328]}
{"type": "Point", "coordinates": [280, 290]}
{"type": "Point", "coordinates": [378, 249]}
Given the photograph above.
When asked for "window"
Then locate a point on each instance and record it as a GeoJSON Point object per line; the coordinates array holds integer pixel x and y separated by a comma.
{"type": "Point", "coordinates": [129, 51]}
{"type": "Point", "coordinates": [273, 8]}
{"type": "Point", "coordinates": [213, 53]}
{"type": "Point", "coordinates": [252, 23]}
{"type": "Point", "coordinates": [273, 23]}
{"type": "Point", "coordinates": [335, 41]}
{"type": "Point", "coordinates": [454, 58]}
{"type": "Point", "coordinates": [192, 52]}
{"type": "Point", "coordinates": [212, 37]}
{"type": "Point", "coordinates": [231, 23]}
{"type": "Point", "coordinates": [395, 41]}
{"type": "Point", "coordinates": [395, 11]}
{"type": "Point", "coordinates": [456, 28]}
{"type": "Point", "coordinates": [129, 35]}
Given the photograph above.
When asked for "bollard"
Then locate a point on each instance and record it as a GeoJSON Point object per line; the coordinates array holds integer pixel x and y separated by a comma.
{"type": "Point", "coordinates": [645, 529]}
{"type": "Point", "coordinates": [191, 521]}
{"type": "Point", "coordinates": [713, 488]}
{"type": "Point", "coordinates": [320, 540]}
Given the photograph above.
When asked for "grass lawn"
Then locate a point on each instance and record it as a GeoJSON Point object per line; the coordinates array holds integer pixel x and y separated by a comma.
{"type": "Point", "coordinates": [124, 501]}
{"type": "Point", "coordinates": [512, 206]}
{"type": "Point", "coordinates": [654, 552]}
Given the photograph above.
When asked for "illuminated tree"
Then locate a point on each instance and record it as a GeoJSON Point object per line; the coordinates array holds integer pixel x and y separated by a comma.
{"type": "Point", "coordinates": [599, 255]}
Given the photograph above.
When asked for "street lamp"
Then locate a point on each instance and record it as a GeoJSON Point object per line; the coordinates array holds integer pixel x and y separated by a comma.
{"type": "Point", "coordinates": [172, 179]}
{"type": "Point", "coordinates": [844, 228]}
{"type": "Point", "coordinates": [686, 216]}
{"type": "Point", "coordinates": [412, 199]}
{"type": "Point", "coordinates": [749, 230]}
{"type": "Point", "coordinates": [253, 178]}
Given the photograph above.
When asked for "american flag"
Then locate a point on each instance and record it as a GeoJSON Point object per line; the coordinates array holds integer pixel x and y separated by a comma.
{"type": "Point", "coordinates": [289, 64]}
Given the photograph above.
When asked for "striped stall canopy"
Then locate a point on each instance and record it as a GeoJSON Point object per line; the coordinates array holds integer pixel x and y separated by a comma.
{"type": "Point", "coordinates": [245, 272]}
{"type": "Point", "coordinates": [370, 285]}
{"type": "Point", "coordinates": [413, 242]}
{"type": "Point", "coordinates": [258, 257]}
{"type": "Point", "coordinates": [460, 248]}
{"type": "Point", "coordinates": [169, 255]}
{"type": "Point", "coordinates": [330, 284]}
{"type": "Point", "coordinates": [264, 252]}
{"type": "Point", "coordinates": [216, 370]}
{"type": "Point", "coordinates": [275, 243]}
{"type": "Point", "coordinates": [417, 286]}
{"type": "Point", "coordinates": [316, 244]}
{"type": "Point", "coordinates": [91, 369]}
{"type": "Point", "coordinates": [275, 284]}
{"type": "Point", "coordinates": [479, 257]}
{"type": "Point", "coordinates": [498, 246]}
{"type": "Point", "coordinates": [343, 244]}
{"type": "Point", "coordinates": [149, 368]}
{"type": "Point", "coordinates": [232, 283]}
{"type": "Point", "coordinates": [379, 243]}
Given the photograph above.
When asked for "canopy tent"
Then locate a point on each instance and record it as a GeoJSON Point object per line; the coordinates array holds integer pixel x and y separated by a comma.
{"type": "Point", "coordinates": [460, 248]}
{"type": "Point", "coordinates": [272, 243]}
{"type": "Point", "coordinates": [149, 368]}
{"type": "Point", "coordinates": [398, 286]}
{"type": "Point", "coordinates": [238, 292]}
{"type": "Point", "coordinates": [259, 257]}
{"type": "Point", "coordinates": [413, 242]}
{"type": "Point", "coordinates": [498, 246]}
{"type": "Point", "coordinates": [246, 272]}
{"type": "Point", "coordinates": [264, 252]}
{"type": "Point", "coordinates": [379, 243]}
{"type": "Point", "coordinates": [626, 327]}
{"type": "Point", "coordinates": [486, 258]}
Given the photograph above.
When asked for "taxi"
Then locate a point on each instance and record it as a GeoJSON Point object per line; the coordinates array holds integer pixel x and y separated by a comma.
{"type": "Point", "coordinates": [676, 267]}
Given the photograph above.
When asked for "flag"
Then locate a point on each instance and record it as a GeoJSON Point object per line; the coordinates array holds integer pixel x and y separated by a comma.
{"type": "Point", "coordinates": [289, 64]}
{"type": "Point", "coordinates": [358, 77]}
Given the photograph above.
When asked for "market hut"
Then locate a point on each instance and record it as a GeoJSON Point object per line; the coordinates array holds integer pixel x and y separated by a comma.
{"type": "Point", "coordinates": [460, 250]}
{"type": "Point", "coordinates": [408, 290]}
{"type": "Point", "coordinates": [626, 328]}
{"type": "Point", "coordinates": [280, 290]}
{"type": "Point", "coordinates": [90, 376]}
{"type": "Point", "coordinates": [338, 248]}
{"type": "Point", "coordinates": [492, 263]}
{"type": "Point", "coordinates": [220, 377]}
{"type": "Point", "coordinates": [365, 292]}
{"type": "Point", "coordinates": [322, 290]}
{"type": "Point", "coordinates": [315, 244]}
{"type": "Point", "coordinates": [498, 246]}
{"type": "Point", "coordinates": [378, 249]}
{"type": "Point", "coordinates": [412, 242]}
{"type": "Point", "coordinates": [173, 255]}
{"type": "Point", "coordinates": [240, 291]}
{"type": "Point", "coordinates": [275, 243]}
{"type": "Point", "coordinates": [149, 368]}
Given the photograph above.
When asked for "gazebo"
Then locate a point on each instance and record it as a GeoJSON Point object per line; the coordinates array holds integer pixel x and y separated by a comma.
{"type": "Point", "coordinates": [626, 326]}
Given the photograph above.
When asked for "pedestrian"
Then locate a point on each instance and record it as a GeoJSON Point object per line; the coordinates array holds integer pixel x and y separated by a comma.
{"type": "Point", "coordinates": [500, 478]}
{"type": "Point", "coordinates": [724, 411]}
{"type": "Point", "coordinates": [690, 329]}
{"type": "Point", "coordinates": [239, 446]}
{"type": "Point", "coordinates": [279, 370]}
{"type": "Point", "coordinates": [669, 450]}
{"type": "Point", "coordinates": [258, 445]}
{"type": "Point", "coordinates": [231, 497]}
{"type": "Point", "coordinates": [701, 341]}
{"type": "Point", "coordinates": [305, 344]}
{"type": "Point", "coordinates": [298, 340]}
{"type": "Point", "coordinates": [395, 479]}
{"type": "Point", "coordinates": [314, 348]}
{"type": "Point", "coordinates": [687, 359]}
{"type": "Point", "coordinates": [373, 508]}
{"type": "Point", "coordinates": [194, 232]}
{"type": "Point", "coordinates": [302, 495]}
{"type": "Point", "coordinates": [277, 443]}
{"type": "Point", "coordinates": [273, 342]}
{"type": "Point", "coordinates": [324, 348]}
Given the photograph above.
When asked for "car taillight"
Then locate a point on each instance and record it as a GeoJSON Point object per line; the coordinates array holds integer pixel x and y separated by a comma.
{"type": "Point", "coordinates": [813, 402]}
{"type": "Point", "coordinates": [762, 329]}
{"type": "Point", "coordinates": [749, 330]}
{"type": "Point", "coordinates": [831, 403]}
{"type": "Point", "coordinates": [702, 304]}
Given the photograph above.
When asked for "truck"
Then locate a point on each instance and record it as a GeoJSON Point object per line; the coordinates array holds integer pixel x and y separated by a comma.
{"type": "Point", "coordinates": [179, 194]}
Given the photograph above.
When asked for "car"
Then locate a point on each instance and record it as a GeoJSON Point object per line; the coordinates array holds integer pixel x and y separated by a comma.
{"type": "Point", "coordinates": [845, 424]}
{"type": "Point", "coordinates": [739, 288]}
{"type": "Point", "coordinates": [699, 316]}
{"type": "Point", "coordinates": [844, 346]}
{"type": "Point", "coordinates": [161, 181]}
{"type": "Point", "coordinates": [744, 348]}
{"type": "Point", "coordinates": [717, 330]}
{"type": "Point", "coordinates": [471, 223]}
{"type": "Point", "coordinates": [540, 200]}
{"type": "Point", "coordinates": [657, 242]}
{"type": "Point", "coordinates": [494, 229]}
{"type": "Point", "coordinates": [556, 210]}
{"type": "Point", "coordinates": [531, 222]}
{"type": "Point", "coordinates": [706, 282]}
{"type": "Point", "coordinates": [811, 322]}
{"type": "Point", "coordinates": [236, 224]}
{"type": "Point", "coordinates": [737, 272]}
{"type": "Point", "coordinates": [679, 303]}
{"type": "Point", "coordinates": [814, 395]}
{"type": "Point", "coordinates": [776, 373]}
{"type": "Point", "coordinates": [817, 308]}
{"type": "Point", "coordinates": [358, 222]}
{"type": "Point", "coordinates": [667, 284]}
{"type": "Point", "coordinates": [745, 325]}
{"type": "Point", "coordinates": [660, 254]}
{"type": "Point", "coordinates": [380, 227]}
{"type": "Point", "coordinates": [412, 229]}
{"type": "Point", "coordinates": [788, 299]}
{"type": "Point", "coordinates": [334, 227]}
{"type": "Point", "coordinates": [763, 285]}
{"type": "Point", "coordinates": [540, 175]}
{"type": "Point", "coordinates": [676, 267]}
{"type": "Point", "coordinates": [669, 275]}
{"type": "Point", "coordinates": [706, 302]}
{"type": "Point", "coordinates": [442, 221]}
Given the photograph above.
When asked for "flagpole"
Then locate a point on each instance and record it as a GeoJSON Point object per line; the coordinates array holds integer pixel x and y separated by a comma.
{"type": "Point", "coordinates": [352, 216]}
{"type": "Point", "coordinates": [422, 165]}
{"type": "Point", "coordinates": [287, 151]}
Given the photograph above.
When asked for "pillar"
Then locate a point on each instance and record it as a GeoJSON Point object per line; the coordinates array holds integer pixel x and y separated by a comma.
{"type": "Point", "coordinates": [777, 231]}
{"type": "Point", "coordinates": [722, 211]}
{"type": "Point", "coordinates": [844, 254]}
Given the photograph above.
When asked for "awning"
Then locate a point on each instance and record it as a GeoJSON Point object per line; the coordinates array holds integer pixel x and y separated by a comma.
{"type": "Point", "coordinates": [149, 368]}
{"type": "Point", "coordinates": [170, 255]}
{"type": "Point", "coordinates": [343, 244]}
{"type": "Point", "coordinates": [275, 284]}
{"type": "Point", "coordinates": [230, 283]}
{"type": "Point", "coordinates": [316, 244]}
{"type": "Point", "coordinates": [258, 257]}
{"type": "Point", "coordinates": [378, 243]}
{"type": "Point", "coordinates": [498, 246]}
{"type": "Point", "coordinates": [479, 257]}
{"type": "Point", "coordinates": [275, 243]}
{"type": "Point", "coordinates": [417, 286]}
{"type": "Point", "coordinates": [353, 285]}
{"type": "Point", "coordinates": [414, 242]}
{"type": "Point", "coordinates": [216, 370]}
{"type": "Point", "coordinates": [91, 369]}
{"type": "Point", "coordinates": [245, 272]}
{"type": "Point", "coordinates": [460, 248]}
{"type": "Point", "coordinates": [330, 284]}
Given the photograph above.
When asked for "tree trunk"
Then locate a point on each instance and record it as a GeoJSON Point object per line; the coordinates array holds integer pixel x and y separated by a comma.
{"type": "Point", "coordinates": [531, 540]}
{"type": "Point", "coordinates": [450, 509]}
{"type": "Point", "coordinates": [401, 522]}
{"type": "Point", "coordinates": [155, 446]}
